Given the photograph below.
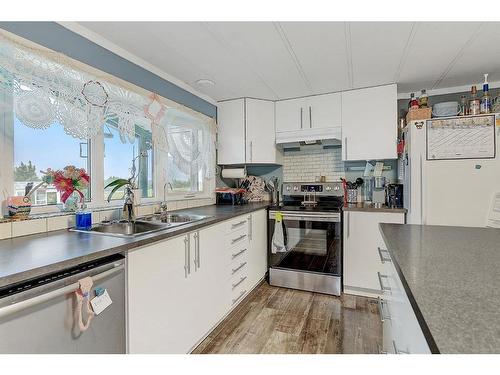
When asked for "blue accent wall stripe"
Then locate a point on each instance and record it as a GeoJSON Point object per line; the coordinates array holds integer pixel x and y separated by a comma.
{"type": "Point", "coordinates": [58, 38]}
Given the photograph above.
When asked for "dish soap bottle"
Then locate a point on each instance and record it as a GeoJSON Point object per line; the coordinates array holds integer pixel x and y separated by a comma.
{"type": "Point", "coordinates": [486, 99]}
{"type": "Point", "coordinates": [83, 218]}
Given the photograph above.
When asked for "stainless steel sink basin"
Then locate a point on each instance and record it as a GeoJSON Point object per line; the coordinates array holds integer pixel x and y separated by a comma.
{"type": "Point", "coordinates": [176, 219]}
{"type": "Point", "coordinates": [125, 228]}
{"type": "Point", "coordinates": [142, 226]}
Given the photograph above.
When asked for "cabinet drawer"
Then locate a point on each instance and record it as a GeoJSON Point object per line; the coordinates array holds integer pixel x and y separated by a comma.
{"type": "Point", "coordinates": [239, 288]}
{"type": "Point", "coordinates": [403, 330]}
{"type": "Point", "coordinates": [237, 224]}
{"type": "Point", "coordinates": [236, 253]}
{"type": "Point", "coordinates": [236, 238]}
{"type": "Point", "coordinates": [237, 268]}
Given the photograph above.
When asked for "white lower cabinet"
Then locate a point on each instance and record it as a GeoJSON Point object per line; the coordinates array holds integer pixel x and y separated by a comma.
{"type": "Point", "coordinates": [361, 259]}
{"type": "Point", "coordinates": [258, 246]}
{"type": "Point", "coordinates": [179, 289]}
{"type": "Point", "coordinates": [401, 331]}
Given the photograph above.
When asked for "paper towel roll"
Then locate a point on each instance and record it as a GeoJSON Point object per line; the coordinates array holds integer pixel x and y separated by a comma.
{"type": "Point", "coordinates": [234, 173]}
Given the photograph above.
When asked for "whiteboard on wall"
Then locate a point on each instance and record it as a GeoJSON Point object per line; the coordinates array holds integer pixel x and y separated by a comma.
{"type": "Point", "coordinates": [471, 137]}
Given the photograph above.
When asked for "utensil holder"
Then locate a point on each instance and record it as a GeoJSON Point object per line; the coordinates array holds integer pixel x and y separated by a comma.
{"type": "Point", "coordinates": [352, 195]}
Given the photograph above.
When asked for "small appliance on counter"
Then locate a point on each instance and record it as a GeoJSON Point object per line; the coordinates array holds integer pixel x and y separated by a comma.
{"type": "Point", "coordinates": [230, 196]}
{"type": "Point", "coordinates": [394, 193]}
{"type": "Point", "coordinates": [378, 194]}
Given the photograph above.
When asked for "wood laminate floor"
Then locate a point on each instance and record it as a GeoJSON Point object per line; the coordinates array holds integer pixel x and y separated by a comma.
{"type": "Point", "coordinates": [278, 320]}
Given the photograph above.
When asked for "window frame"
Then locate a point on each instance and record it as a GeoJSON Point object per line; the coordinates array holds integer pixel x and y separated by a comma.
{"type": "Point", "coordinates": [206, 193]}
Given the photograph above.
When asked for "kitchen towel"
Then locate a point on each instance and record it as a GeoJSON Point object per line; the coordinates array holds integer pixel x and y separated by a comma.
{"type": "Point", "coordinates": [278, 241]}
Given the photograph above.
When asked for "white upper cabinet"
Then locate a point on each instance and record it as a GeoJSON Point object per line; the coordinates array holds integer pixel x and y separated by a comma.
{"type": "Point", "coordinates": [246, 132]}
{"type": "Point", "coordinates": [313, 112]}
{"type": "Point", "coordinates": [260, 132]}
{"type": "Point", "coordinates": [369, 123]}
{"type": "Point", "coordinates": [324, 111]}
{"type": "Point", "coordinates": [308, 119]}
{"type": "Point", "coordinates": [231, 132]}
{"type": "Point", "coordinates": [290, 115]}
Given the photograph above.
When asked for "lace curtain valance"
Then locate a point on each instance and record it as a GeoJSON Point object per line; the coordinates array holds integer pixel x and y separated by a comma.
{"type": "Point", "coordinates": [49, 87]}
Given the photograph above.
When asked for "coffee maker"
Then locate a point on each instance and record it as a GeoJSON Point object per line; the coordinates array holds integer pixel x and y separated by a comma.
{"type": "Point", "coordinates": [394, 193]}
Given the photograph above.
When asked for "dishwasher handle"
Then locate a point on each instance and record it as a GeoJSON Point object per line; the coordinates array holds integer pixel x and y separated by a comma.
{"type": "Point", "coordinates": [39, 299]}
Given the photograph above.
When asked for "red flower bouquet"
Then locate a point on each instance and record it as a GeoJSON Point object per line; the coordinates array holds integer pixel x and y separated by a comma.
{"type": "Point", "coordinates": [67, 181]}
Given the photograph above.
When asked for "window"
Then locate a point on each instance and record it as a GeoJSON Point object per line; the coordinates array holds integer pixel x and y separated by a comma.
{"type": "Point", "coordinates": [35, 152]}
{"type": "Point", "coordinates": [119, 154]}
{"type": "Point", "coordinates": [188, 153]}
{"type": "Point", "coordinates": [52, 106]}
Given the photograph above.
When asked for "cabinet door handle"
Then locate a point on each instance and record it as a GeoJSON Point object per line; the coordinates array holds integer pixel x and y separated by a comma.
{"type": "Point", "coordinates": [345, 148]}
{"type": "Point", "coordinates": [301, 113]}
{"type": "Point", "coordinates": [251, 150]}
{"type": "Point", "coordinates": [238, 224]}
{"type": "Point", "coordinates": [348, 224]}
{"type": "Point", "coordinates": [236, 255]}
{"type": "Point", "coordinates": [382, 286]}
{"type": "Point", "coordinates": [239, 282]}
{"type": "Point", "coordinates": [384, 259]}
{"type": "Point", "coordinates": [196, 250]}
{"type": "Point", "coordinates": [234, 270]}
{"type": "Point", "coordinates": [310, 117]}
{"type": "Point", "coordinates": [250, 227]}
{"type": "Point", "coordinates": [238, 239]}
{"type": "Point", "coordinates": [238, 298]}
{"type": "Point", "coordinates": [396, 350]}
{"type": "Point", "coordinates": [381, 304]}
{"type": "Point", "coordinates": [187, 256]}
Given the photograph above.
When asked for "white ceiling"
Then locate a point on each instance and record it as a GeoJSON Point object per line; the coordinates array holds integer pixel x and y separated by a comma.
{"type": "Point", "coordinates": [278, 60]}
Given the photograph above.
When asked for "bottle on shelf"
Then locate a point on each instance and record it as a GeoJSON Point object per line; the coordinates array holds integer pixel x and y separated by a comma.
{"type": "Point", "coordinates": [474, 102]}
{"type": "Point", "coordinates": [413, 103]}
{"type": "Point", "coordinates": [485, 106]}
{"type": "Point", "coordinates": [464, 108]}
{"type": "Point", "coordinates": [423, 99]}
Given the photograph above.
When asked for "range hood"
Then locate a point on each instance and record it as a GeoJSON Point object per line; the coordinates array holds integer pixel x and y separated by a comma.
{"type": "Point", "coordinates": [310, 138]}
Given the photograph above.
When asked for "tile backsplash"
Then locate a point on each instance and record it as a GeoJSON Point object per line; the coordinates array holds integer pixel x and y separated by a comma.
{"type": "Point", "coordinates": [305, 165]}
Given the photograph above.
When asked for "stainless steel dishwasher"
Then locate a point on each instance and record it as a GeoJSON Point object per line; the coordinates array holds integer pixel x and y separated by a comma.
{"type": "Point", "coordinates": [38, 316]}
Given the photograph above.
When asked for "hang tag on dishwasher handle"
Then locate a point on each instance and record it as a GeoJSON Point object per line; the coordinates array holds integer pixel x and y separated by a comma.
{"type": "Point", "coordinates": [101, 302]}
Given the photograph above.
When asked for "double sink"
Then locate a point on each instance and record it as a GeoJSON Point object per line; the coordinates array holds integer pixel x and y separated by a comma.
{"type": "Point", "coordinates": [145, 225]}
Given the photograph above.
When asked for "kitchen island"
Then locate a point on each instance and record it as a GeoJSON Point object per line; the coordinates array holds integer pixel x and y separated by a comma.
{"type": "Point", "coordinates": [450, 276]}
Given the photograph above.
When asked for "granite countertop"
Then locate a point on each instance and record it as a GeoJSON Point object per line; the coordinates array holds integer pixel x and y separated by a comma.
{"type": "Point", "coordinates": [452, 280]}
{"type": "Point", "coordinates": [27, 257]}
{"type": "Point", "coordinates": [370, 207]}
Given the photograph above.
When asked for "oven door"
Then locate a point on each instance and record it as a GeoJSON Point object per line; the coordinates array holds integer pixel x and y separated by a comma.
{"type": "Point", "coordinates": [313, 242]}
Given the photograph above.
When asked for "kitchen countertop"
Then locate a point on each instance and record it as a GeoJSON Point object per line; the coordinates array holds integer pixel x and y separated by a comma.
{"type": "Point", "coordinates": [27, 257]}
{"type": "Point", "coordinates": [451, 277]}
{"type": "Point", "coordinates": [370, 207]}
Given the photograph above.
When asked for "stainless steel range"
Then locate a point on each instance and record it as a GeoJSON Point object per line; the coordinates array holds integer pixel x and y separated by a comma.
{"type": "Point", "coordinates": [312, 234]}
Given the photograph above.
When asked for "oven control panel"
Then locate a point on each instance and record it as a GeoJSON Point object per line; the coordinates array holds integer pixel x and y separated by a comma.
{"type": "Point", "coordinates": [319, 188]}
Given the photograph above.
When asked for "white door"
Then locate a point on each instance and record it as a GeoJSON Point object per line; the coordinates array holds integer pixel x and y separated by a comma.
{"type": "Point", "coordinates": [291, 115]}
{"type": "Point", "coordinates": [369, 123]}
{"type": "Point", "coordinates": [231, 132]}
{"type": "Point", "coordinates": [161, 304]}
{"type": "Point", "coordinates": [324, 111]}
{"type": "Point", "coordinates": [260, 131]}
{"type": "Point", "coordinates": [258, 247]}
{"type": "Point", "coordinates": [361, 259]}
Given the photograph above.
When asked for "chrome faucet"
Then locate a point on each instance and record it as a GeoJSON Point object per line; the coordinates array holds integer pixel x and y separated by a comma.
{"type": "Point", "coordinates": [128, 204]}
{"type": "Point", "coordinates": [163, 205]}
